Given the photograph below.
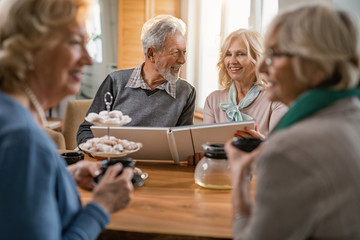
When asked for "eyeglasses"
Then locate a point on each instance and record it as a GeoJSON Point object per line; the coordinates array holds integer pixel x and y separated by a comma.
{"type": "Point", "coordinates": [270, 54]}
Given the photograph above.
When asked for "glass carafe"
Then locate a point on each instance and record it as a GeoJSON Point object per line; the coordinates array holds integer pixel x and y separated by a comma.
{"type": "Point", "coordinates": [213, 171]}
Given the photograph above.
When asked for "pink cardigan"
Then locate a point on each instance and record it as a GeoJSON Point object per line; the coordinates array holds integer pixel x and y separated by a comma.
{"type": "Point", "coordinates": [264, 112]}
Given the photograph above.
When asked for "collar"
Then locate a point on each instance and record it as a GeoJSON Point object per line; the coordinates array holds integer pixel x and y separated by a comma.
{"type": "Point", "coordinates": [136, 81]}
{"type": "Point", "coordinates": [311, 102]}
{"type": "Point", "coordinates": [233, 110]}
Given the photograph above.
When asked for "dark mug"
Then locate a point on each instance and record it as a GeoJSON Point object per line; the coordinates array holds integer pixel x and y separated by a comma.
{"type": "Point", "coordinates": [246, 144]}
{"type": "Point", "coordinates": [137, 179]}
{"type": "Point", "coordinates": [72, 157]}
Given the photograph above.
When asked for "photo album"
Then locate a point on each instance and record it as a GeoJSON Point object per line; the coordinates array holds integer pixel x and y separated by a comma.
{"type": "Point", "coordinates": [173, 143]}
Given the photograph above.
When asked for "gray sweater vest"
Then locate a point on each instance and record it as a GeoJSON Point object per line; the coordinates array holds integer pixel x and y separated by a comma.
{"type": "Point", "coordinates": [146, 108]}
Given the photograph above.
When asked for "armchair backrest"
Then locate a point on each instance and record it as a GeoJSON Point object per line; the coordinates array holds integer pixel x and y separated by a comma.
{"type": "Point", "coordinates": [74, 115]}
{"type": "Point", "coordinates": [57, 137]}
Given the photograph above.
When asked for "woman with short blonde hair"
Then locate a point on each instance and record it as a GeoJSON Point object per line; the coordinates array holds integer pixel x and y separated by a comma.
{"type": "Point", "coordinates": [243, 93]}
{"type": "Point", "coordinates": [253, 42]}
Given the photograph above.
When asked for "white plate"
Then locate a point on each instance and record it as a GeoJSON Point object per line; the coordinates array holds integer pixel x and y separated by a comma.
{"type": "Point", "coordinates": [109, 155]}
{"type": "Point", "coordinates": [123, 122]}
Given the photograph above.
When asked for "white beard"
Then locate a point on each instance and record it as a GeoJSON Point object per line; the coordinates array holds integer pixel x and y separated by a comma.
{"type": "Point", "coordinates": [170, 77]}
{"type": "Point", "coordinates": [166, 73]}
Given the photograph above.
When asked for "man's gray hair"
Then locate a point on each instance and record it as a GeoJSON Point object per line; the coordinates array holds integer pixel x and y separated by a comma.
{"type": "Point", "coordinates": [154, 31]}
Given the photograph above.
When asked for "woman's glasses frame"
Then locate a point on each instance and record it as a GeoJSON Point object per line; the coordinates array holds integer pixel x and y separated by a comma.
{"type": "Point", "coordinates": [271, 54]}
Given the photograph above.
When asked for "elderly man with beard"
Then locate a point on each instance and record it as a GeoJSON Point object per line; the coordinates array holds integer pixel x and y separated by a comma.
{"type": "Point", "coordinates": [151, 94]}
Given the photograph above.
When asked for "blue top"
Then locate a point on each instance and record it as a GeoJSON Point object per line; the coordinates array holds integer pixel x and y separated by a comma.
{"type": "Point", "coordinates": [38, 196]}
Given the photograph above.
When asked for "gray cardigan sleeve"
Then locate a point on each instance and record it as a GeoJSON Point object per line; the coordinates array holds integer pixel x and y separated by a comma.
{"type": "Point", "coordinates": [187, 115]}
{"type": "Point", "coordinates": [286, 200]}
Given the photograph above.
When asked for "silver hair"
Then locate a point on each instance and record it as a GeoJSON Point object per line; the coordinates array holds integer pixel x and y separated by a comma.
{"type": "Point", "coordinates": [322, 35]}
{"type": "Point", "coordinates": [155, 30]}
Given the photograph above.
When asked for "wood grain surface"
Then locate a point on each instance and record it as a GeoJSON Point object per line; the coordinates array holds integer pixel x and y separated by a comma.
{"type": "Point", "coordinates": [171, 205]}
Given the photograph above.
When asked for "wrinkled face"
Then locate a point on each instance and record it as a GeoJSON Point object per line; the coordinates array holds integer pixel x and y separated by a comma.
{"type": "Point", "coordinates": [170, 60]}
{"type": "Point", "coordinates": [58, 69]}
{"type": "Point", "coordinates": [279, 71]}
{"type": "Point", "coordinates": [237, 63]}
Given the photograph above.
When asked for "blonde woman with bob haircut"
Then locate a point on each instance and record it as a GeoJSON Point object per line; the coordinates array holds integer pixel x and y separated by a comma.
{"type": "Point", "coordinates": [308, 171]}
{"type": "Point", "coordinates": [42, 54]}
{"type": "Point", "coordinates": [243, 96]}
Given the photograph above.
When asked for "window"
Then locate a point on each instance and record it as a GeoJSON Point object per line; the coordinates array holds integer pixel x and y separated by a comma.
{"type": "Point", "coordinates": [93, 25]}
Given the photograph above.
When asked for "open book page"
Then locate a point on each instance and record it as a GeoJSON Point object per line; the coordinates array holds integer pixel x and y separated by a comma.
{"type": "Point", "coordinates": [216, 133]}
{"type": "Point", "coordinates": [154, 140]}
{"type": "Point", "coordinates": [180, 143]}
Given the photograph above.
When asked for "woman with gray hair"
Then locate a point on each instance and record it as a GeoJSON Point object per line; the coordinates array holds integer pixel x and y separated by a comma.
{"type": "Point", "coordinates": [42, 54]}
{"type": "Point", "coordinates": [243, 96]}
{"type": "Point", "coordinates": [307, 173]}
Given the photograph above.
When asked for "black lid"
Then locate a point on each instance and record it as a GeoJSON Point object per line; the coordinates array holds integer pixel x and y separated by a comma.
{"type": "Point", "coordinates": [246, 144]}
{"type": "Point", "coordinates": [214, 150]}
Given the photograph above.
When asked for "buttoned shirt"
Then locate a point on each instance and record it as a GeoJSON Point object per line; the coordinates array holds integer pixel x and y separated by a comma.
{"type": "Point", "coordinates": [137, 81]}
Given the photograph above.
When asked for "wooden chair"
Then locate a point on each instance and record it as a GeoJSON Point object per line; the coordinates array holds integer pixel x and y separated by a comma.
{"type": "Point", "coordinates": [57, 137]}
{"type": "Point", "coordinates": [74, 115]}
{"type": "Point", "coordinates": [198, 118]}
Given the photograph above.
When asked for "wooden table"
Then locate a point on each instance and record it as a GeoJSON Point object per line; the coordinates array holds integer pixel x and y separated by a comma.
{"type": "Point", "coordinates": [171, 206]}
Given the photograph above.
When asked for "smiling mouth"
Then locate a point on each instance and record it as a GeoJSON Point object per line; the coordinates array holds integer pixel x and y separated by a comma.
{"type": "Point", "coordinates": [176, 68]}
{"type": "Point", "coordinates": [76, 75]}
{"type": "Point", "coordinates": [235, 69]}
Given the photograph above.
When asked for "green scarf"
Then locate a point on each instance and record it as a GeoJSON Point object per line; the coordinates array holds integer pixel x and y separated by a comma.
{"type": "Point", "coordinates": [311, 102]}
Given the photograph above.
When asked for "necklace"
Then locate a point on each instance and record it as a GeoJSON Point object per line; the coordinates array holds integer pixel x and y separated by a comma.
{"type": "Point", "coordinates": [36, 105]}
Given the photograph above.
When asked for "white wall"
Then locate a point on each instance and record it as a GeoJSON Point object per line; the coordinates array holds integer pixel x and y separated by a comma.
{"type": "Point", "coordinates": [353, 6]}
{"type": "Point", "coordinates": [287, 3]}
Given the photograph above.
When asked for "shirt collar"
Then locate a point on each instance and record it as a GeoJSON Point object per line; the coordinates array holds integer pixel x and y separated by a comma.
{"type": "Point", "coordinates": [136, 81]}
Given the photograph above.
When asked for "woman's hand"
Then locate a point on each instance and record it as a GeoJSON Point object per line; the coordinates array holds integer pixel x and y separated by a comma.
{"type": "Point", "coordinates": [114, 191]}
{"type": "Point", "coordinates": [84, 172]}
{"type": "Point", "coordinates": [240, 167]}
{"type": "Point", "coordinates": [250, 133]}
